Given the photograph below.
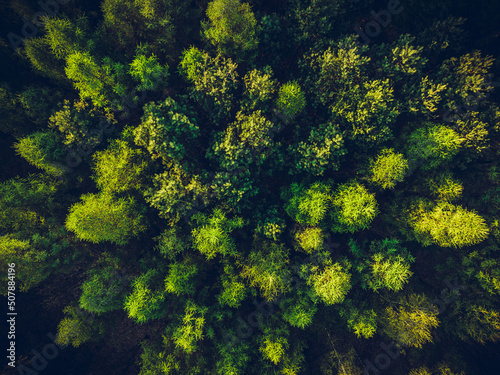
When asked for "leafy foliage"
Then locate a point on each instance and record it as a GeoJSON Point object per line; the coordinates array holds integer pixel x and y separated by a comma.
{"type": "Point", "coordinates": [165, 128]}
{"type": "Point", "coordinates": [233, 289]}
{"type": "Point", "coordinates": [81, 124]}
{"type": "Point", "coordinates": [433, 145]}
{"type": "Point", "coordinates": [148, 72]}
{"type": "Point", "coordinates": [77, 328]}
{"type": "Point", "coordinates": [447, 225]}
{"type": "Point", "coordinates": [118, 168]}
{"type": "Point", "coordinates": [102, 82]}
{"type": "Point", "coordinates": [214, 81]}
{"type": "Point", "coordinates": [310, 239]}
{"type": "Point", "coordinates": [412, 322]}
{"type": "Point", "coordinates": [191, 329]}
{"type": "Point", "coordinates": [145, 302]}
{"type": "Point", "coordinates": [42, 150]}
{"type": "Point", "coordinates": [291, 100]}
{"type": "Point", "coordinates": [102, 292]}
{"type": "Point", "coordinates": [99, 218]}
{"type": "Point", "coordinates": [211, 235]}
{"type": "Point", "coordinates": [181, 278]}
{"type": "Point", "coordinates": [320, 152]}
{"type": "Point", "coordinates": [331, 284]}
{"type": "Point", "coordinates": [307, 206]}
{"type": "Point", "coordinates": [231, 26]}
{"type": "Point", "coordinates": [266, 269]}
{"type": "Point", "coordinates": [388, 169]}
{"type": "Point", "coordinates": [288, 180]}
{"type": "Point", "coordinates": [354, 208]}
{"type": "Point", "coordinates": [260, 88]}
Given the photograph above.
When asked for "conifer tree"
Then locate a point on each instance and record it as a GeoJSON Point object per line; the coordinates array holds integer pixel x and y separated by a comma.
{"type": "Point", "coordinates": [446, 225]}
{"type": "Point", "coordinates": [101, 217]}
{"type": "Point", "coordinates": [354, 208]}
{"type": "Point", "coordinates": [388, 169]}
{"type": "Point", "coordinates": [411, 322]}
{"type": "Point", "coordinates": [231, 27]}
{"type": "Point", "coordinates": [211, 236]}
{"type": "Point", "coordinates": [266, 268]}
{"type": "Point", "coordinates": [331, 284]}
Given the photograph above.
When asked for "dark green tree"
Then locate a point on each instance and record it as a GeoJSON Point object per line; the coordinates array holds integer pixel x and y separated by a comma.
{"type": "Point", "coordinates": [231, 27]}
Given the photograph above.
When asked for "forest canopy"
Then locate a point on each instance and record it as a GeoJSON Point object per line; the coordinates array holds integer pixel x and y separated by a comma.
{"type": "Point", "coordinates": [236, 187]}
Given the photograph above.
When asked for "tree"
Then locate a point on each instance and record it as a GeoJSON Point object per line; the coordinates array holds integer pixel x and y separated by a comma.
{"type": "Point", "coordinates": [480, 324]}
{"type": "Point", "coordinates": [62, 38]}
{"type": "Point", "coordinates": [233, 359]}
{"type": "Point", "coordinates": [119, 168]}
{"type": "Point", "coordinates": [102, 82]}
{"type": "Point", "coordinates": [166, 129]}
{"type": "Point", "coordinates": [214, 82]}
{"type": "Point", "coordinates": [102, 292]}
{"type": "Point", "coordinates": [181, 278]}
{"type": "Point", "coordinates": [388, 169]}
{"type": "Point", "coordinates": [260, 89]}
{"type": "Point", "coordinates": [191, 329]}
{"type": "Point", "coordinates": [412, 322]}
{"type": "Point", "coordinates": [38, 51]}
{"type": "Point", "coordinates": [315, 23]}
{"type": "Point", "coordinates": [339, 78]}
{"type": "Point", "coordinates": [231, 27]}
{"type": "Point", "coordinates": [366, 111]}
{"type": "Point", "coordinates": [177, 193]}
{"type": "Point", "coordinates": [11, 250]}
{"type": "Point", "coordinates": [322, 151]}
{"type": "Point", "coordinates": [38, 102]}
{"type": "Point", "coordinates": [274, 350]}
{"type": "Point", "coordinates": [99, 218]}
{"type": "Point", "coordinates": [467, 80]}
{"type": "Point", "coordinates": [130, 23]}
{"type": "Point", "coordinates": [25, 203]}
{"type": "Point", "coordinates": [233, 290]}
{"type": "Point", "coordinates": [331, 284]}
{"type": "Point", "coordinates": [171, 243]}
{"type": "Point", "coordinates": [148, 72]}
{"type": "Point", "coordinates": [391, 273]}
{"type": "Point", "coordinates": [388, 267]}
{"type": "Point", "coordinates": [307, 206]}
{"type": "Point", "coordinates": [291, 100]}
{"type": "Point", "coordinates": [402, 58]}
{"type": "Point", "coordinates": [266, 268]}
{"type": "Point", "coordinates": [44, 151]}
{"type": "Point", "coordinates": [81, 124]}
{"type": "Point", "coordinates": [310, 239]}
{"type": "Point", "coordinates": [162, 356]}
{"type": "Point", "coordinates": [36, 256]}
{"type": "Point", "coordinates": [446, 225]}
{"type": "Point", "coordinates": [299, 308]}
{"type": "Point", "coordinates": [362, 322]}
{"type": "Point", "coordinates": [443, 187]}
{"type": "Point", "coordinates": [270, 224]}
{"type": "Point", "coordinates": [425, 97]}
{"type": "Point", "coordinates": [77, 328]}
{"type": "Point", "coordinates": [246, 142]}
{"type": "Point", "coordinates": [66, 37]}
{"type": "Point", "coordinates": [432, 145]}
{"type": "Point", "coordinates": [211, 235]}
{"type": "Point", "coordinates": [354, 208]}
{"type": "Point", "coordinates": [12, 113]}
{"type": "Point", "coordinates": [146, 302]}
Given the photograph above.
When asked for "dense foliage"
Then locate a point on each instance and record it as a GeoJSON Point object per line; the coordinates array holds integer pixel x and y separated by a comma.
{"type": "Point", "coordinates": [246, 187]}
